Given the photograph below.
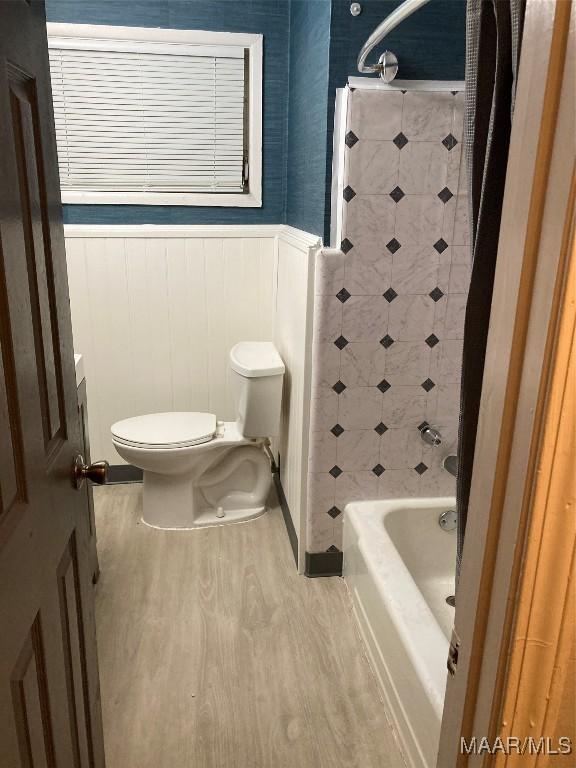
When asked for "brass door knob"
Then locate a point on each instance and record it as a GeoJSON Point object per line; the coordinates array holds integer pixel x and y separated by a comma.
{"type": "Point", "coordinates": [97, 472]}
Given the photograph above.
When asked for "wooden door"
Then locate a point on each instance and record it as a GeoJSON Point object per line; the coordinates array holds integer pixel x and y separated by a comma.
{"type": "Point", "coordinates": [49, 690]}
{"type": "Point", "coordinates": [517, 569]}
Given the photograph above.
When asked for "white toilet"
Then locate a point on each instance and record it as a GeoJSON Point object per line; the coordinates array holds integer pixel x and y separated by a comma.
{"type": "Point", "coordinates": [199, 471]}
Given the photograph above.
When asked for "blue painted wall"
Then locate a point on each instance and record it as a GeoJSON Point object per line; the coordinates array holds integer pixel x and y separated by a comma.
{"type": "Point", "coordinates": [310, 49]}
{"type": "Point", "coordinates": [267, 17]}
{"type": "Point", "coordinates": [307, 114]}
{"type": "Point", "coordinates": [430, 44]}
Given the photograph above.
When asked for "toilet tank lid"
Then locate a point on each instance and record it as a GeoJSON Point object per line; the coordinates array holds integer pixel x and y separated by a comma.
{"type": "Point", "coordinates": [256, 358]}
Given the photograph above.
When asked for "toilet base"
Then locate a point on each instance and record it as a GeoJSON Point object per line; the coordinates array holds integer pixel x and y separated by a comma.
{"type": "Point", "coordinates": [209, 519]}
{"type": "Point", "coordinates": [230, 488]}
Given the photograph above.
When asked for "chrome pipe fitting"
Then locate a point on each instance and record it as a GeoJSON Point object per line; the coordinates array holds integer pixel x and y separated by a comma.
{"type": "Point", "coordinates": [450, 464]}
{"type": "Point", "coordinates": [430, 435]}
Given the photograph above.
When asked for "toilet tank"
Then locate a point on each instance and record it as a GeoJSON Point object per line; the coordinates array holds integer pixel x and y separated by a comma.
{"type": "Point", "coordinates": [257, 373]}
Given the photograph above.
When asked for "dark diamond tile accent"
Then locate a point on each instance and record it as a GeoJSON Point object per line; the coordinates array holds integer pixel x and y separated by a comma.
{"type": "Point", "coordinates": [390, 295]}
{"type": "Point", "coordinates": [333, 548]}
{"type": "Point", "coordinates": [335, 471]}
{"type": "Point", "coordinates": [432, 340]}
{"type": "Point", "coordinates": [387, 341]}
{"type": "Point", "coordinates": [339, 387]}
{"type": "Point", "coordinates": [348, 193]}
{"type": "Point", "coordinates": [337, 430]}
{"type": "Point", "coordinates": [444, 194]}
{"type": "Point", "coordinates": [436, 294]}
{"type": "Point", "coordinates": [441, 245]}
{"type": "Point", "coordinates": [384, 386]}
{"type": "Point", "coordinates": [341, 342]}
{"type": "Point", "coordinates": [393, 245]}
{"type": "Point", "coordinates": [343, 295]}
{"type": "Point", "coordinates": [334, 512]}
{"type": "Point", "coordinates": [396, 194]}
{"type": "Point", "coordinates": [381, 428]}
{"type": "Point", "coordinates": [421, 468]}
{"type": "Point", "coordinates": [378, 470]}
{"type": "Point", "coordinates": [450, 142]}
{"type": "Point", "coordinates": [400, 140]}
{"type": "Point", "coordinates": [346, 245]}
{"type": "Point", "coordinates": [428, 385]}
{"type": "Point", "coordinates": [352, 139]}
{"type": "Point", "coordinates": [423, 425]}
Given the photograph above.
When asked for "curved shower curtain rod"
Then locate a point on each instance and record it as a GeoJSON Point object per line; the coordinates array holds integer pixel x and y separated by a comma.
{"type": "Point", "coordinates": [387, 66]}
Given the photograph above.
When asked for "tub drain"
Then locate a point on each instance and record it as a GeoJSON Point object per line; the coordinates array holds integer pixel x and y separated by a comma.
{"type": "Point", "coordinates": [451, 600]}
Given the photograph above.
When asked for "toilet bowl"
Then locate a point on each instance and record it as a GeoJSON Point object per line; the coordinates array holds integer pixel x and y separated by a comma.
{"type": "Point", "coordinates": [199, 471]}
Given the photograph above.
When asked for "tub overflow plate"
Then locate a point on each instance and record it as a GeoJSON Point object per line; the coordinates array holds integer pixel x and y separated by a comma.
{"type": "Point", "coordinates": [448, 520]}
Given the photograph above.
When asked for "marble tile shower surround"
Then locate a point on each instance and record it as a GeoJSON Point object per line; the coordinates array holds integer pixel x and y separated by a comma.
{"type": "Point", "coordinates": [389, 309]}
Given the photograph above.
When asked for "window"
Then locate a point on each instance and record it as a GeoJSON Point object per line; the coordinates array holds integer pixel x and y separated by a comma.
{"type": "Point", "coordinates": [157, 116]}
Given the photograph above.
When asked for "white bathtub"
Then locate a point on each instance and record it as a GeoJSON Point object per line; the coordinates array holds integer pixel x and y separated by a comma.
{"type": "Point", "coordinates": [399, 568]}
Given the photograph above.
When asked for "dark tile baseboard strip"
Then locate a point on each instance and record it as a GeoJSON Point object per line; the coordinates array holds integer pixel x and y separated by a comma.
{"type": "Point", "coordinates": [292, 535]}
{"type": "Point", "coordinates": [123, 473]}
{"type": "Point", "coordinates": [323, 564]}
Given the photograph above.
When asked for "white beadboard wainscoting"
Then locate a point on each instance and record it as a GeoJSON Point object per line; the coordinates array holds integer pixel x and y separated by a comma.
{"type": "Point", "coordinates": [156, 309]}
{"type": "Point", "coordinates": [293, 337]}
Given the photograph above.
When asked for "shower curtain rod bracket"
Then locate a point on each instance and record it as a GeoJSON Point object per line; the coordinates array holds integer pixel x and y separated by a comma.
{"type": "Point", "coordinates": [387, 65]}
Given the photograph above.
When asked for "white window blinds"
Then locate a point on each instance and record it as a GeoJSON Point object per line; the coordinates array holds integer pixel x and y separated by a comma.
{"type": "Point", "coordinates": [149, 117]}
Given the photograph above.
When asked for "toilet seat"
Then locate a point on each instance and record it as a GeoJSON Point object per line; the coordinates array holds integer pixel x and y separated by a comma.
{"type": "Point", "coordinates": [165, 430]}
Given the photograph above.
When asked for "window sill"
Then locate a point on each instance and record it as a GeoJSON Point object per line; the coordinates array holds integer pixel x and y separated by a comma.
{"type": "Point", "coordinates": [250, 200]}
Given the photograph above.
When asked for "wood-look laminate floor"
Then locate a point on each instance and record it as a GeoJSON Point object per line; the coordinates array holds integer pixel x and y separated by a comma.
{"type": "Point", "coordinates": [214, 653]}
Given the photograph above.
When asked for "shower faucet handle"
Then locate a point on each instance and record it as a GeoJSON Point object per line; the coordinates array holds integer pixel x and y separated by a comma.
{"type": "Point", "coordinates": [430, 435]}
